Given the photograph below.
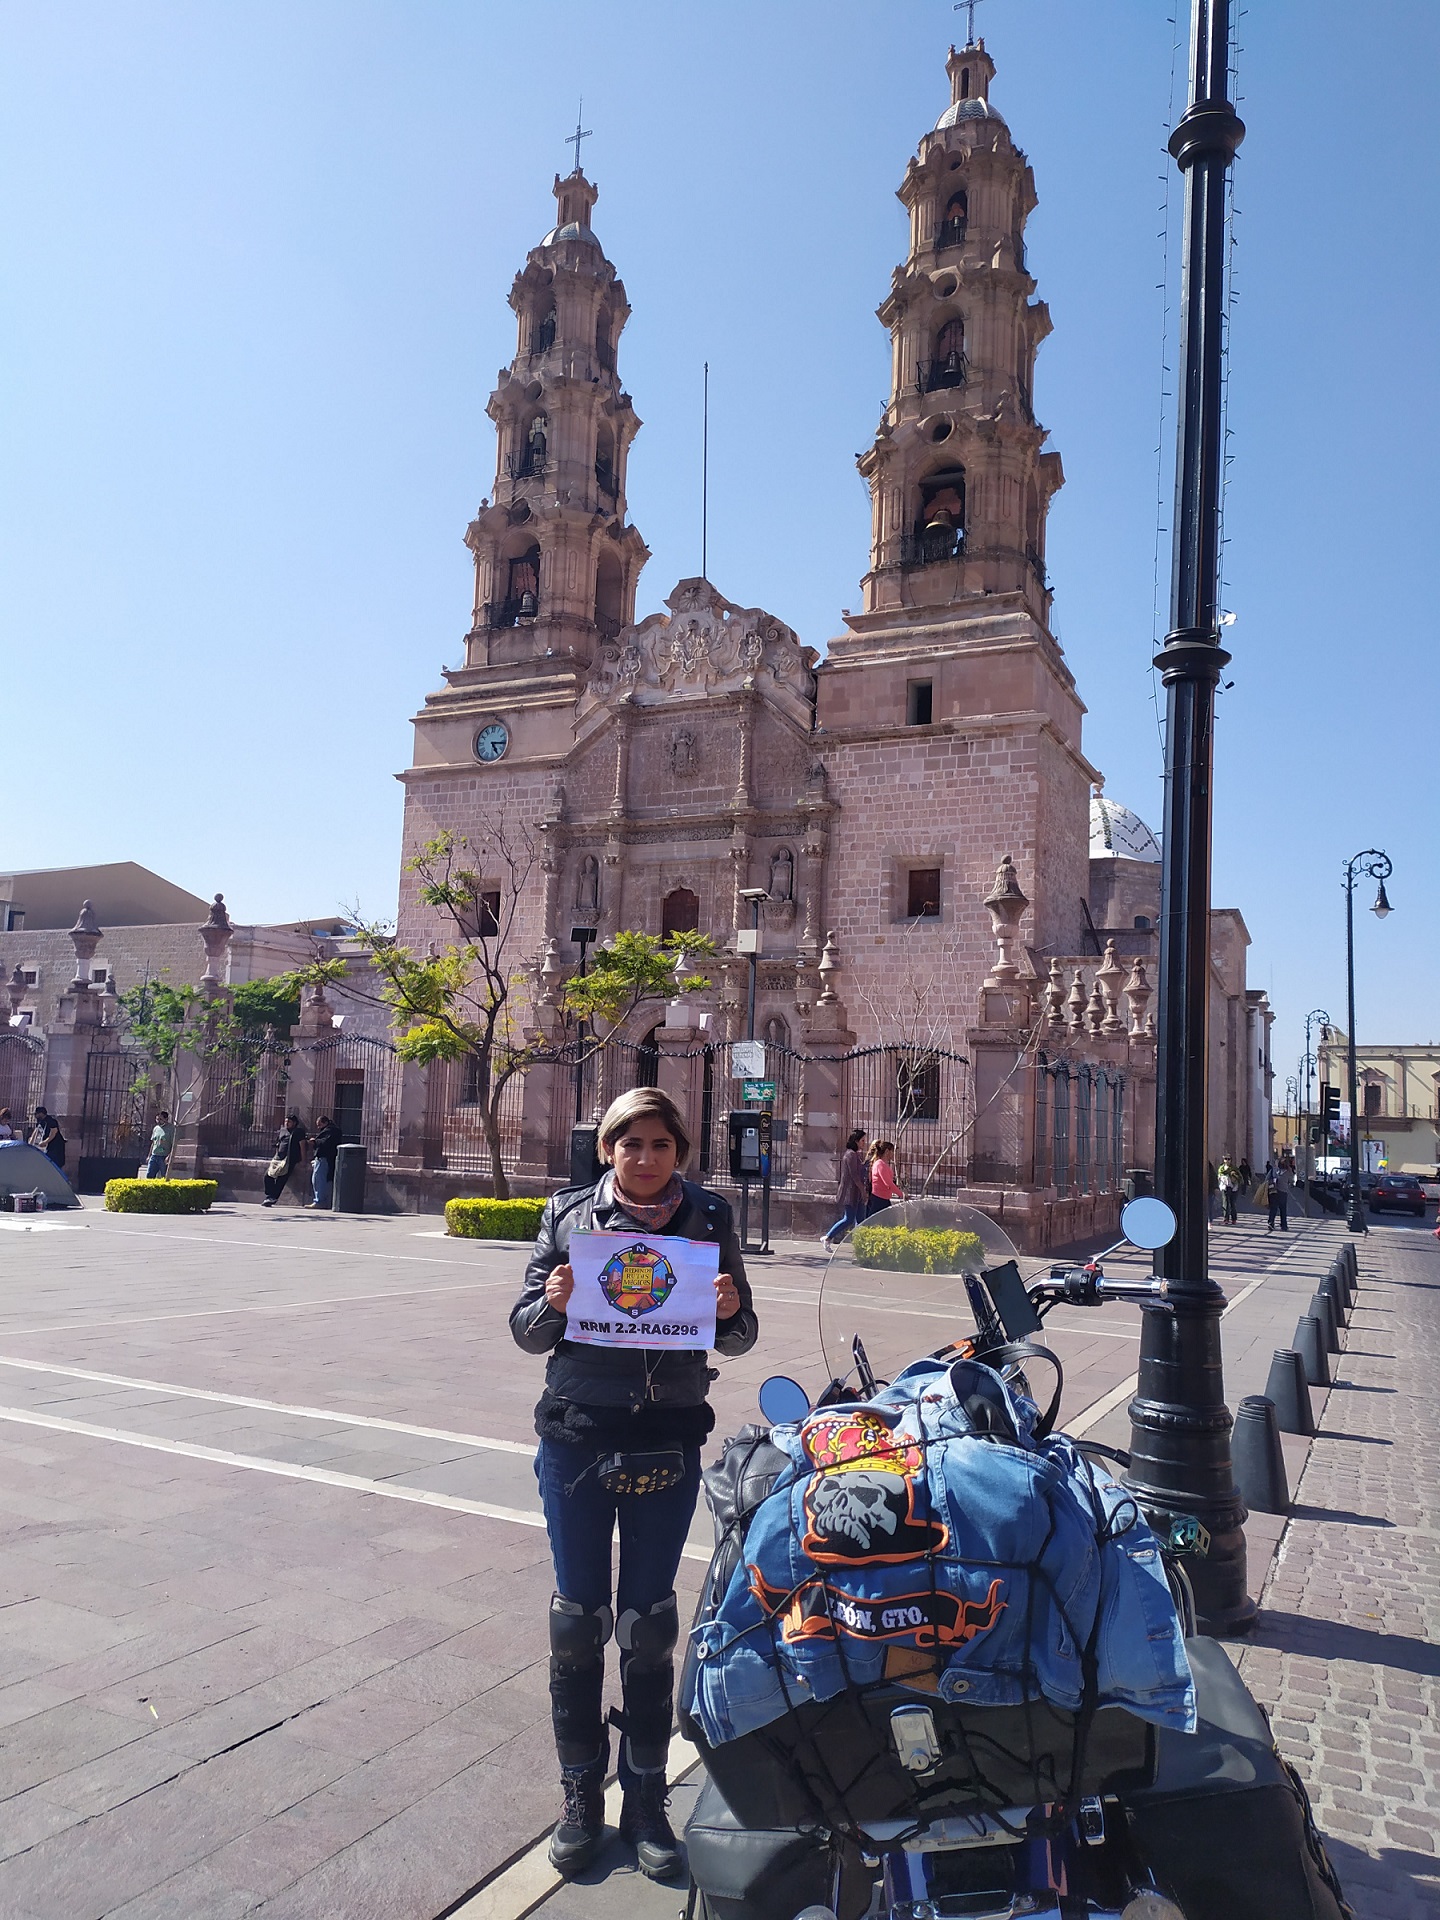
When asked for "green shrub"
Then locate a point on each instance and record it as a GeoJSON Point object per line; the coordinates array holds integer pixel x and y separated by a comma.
{"type": "Point", "coordinates": [159, 1196]}
{"type": "Point", "coordinates": [918, 1249]}
{"type": "Point", "coordinates": [494, 1219]}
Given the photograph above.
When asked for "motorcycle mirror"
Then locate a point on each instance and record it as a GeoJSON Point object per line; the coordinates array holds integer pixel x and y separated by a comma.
{"type": "Point", "coordinates": [783, 1400]}
{"type": "Point", "coordinates": [1149, 1223]}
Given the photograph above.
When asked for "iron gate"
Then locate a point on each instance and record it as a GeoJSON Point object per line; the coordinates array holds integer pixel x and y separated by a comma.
{"type": "Point", "coordinates": [22, 1077]}
{"type": "Point", "coordinates": [116, 1117]}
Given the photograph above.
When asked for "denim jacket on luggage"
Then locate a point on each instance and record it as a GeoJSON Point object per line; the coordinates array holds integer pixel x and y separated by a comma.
{"type": "Point", "coordinates": [902, 1523]}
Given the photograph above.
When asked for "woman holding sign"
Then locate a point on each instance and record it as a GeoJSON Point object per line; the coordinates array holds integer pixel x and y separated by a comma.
{"type": "Point", "coordinates": [631, 1281]}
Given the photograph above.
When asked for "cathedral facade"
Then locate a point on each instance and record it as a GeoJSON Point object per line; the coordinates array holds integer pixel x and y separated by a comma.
{"type": "Point", "coordinates": [673, 769]}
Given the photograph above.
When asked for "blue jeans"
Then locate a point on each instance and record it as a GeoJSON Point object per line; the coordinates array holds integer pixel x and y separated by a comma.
{"type": "Point", "coordinates": [321, 1180]}
{"type": "Point", "coordinates": [155, 1166]}
{"type": "Point", "coordinates": [851, 1217]}
{"type": "Point", "coordinates": [581, 1525]}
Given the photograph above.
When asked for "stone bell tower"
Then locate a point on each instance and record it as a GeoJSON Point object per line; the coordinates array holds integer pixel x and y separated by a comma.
{"type": "Point", "coordinates": [556, 562]}
{"type": "Point", "coordinates": [948, 719]}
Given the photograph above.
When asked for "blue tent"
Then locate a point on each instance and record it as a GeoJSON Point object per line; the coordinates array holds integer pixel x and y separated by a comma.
{"type": "Point", "coordinates": [25, 1169]}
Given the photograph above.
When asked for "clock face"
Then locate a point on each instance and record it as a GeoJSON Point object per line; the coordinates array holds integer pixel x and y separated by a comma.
{"type": "Point", "coordinates": [491, 742]}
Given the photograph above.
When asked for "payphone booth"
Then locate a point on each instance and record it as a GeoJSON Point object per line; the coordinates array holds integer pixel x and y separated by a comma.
{"type": "Point", "coordinates": [750, 1140]}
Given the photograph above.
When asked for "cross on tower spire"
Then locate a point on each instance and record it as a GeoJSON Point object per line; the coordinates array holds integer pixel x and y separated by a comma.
{"type": "Point", "coordinates": [583, 132]}
{"type": "Point", "coordinates": [968, 7]}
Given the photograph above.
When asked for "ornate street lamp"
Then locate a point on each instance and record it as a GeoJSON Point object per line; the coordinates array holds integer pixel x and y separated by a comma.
{"type": "Point", "coordinates": [1377, 866]}
{"type": "Point", "coordinates": [1317, 1017]}
{"type": "Point", "coordinates": [1179, 1423]}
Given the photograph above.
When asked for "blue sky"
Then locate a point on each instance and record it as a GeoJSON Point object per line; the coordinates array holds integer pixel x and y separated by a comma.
{"type": "Point", "coordinates": [253, 267]}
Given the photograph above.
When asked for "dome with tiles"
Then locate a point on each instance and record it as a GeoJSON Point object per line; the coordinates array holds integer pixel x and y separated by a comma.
{"type": "Point", "coordinates": [1118, 834]}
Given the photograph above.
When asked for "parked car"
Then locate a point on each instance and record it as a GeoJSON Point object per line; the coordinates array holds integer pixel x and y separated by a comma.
{"type": "Point", "coordinates": [1401, 1191]}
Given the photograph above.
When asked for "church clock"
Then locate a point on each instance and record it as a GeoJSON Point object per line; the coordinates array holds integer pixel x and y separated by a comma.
{"type": "Point", "coordinates": [491, 742]}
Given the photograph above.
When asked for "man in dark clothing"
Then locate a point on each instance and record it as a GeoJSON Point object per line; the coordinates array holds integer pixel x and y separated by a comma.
{"type": "Point", "coordinates": [48, 1137]}
{"type": "Point", "coordinates": [324, 1144]}
{"type": "Point", "coordinates": [290, 1145]}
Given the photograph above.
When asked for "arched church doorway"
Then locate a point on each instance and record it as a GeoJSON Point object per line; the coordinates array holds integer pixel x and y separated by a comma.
{"type": "Point", "coordinates": [647, 1060]}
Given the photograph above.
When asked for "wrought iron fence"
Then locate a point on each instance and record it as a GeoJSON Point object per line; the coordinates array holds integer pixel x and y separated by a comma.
{"type": "Point", "coordinates": [454, 1130]}
{"type": "Point", "coordinates": [241, 1094]}
{"type": "Point", "coordinates": [916, 1097]}
{"type": "Point", "coordinates": [22, 1075]}
{"type": "Point", "coordinates": [1087, 1157]}
{"type": "Point", "coordinates": [357, 1082]}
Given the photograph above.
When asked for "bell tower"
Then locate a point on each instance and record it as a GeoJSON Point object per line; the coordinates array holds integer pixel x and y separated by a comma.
{"type": "Point", "coordinates": [556, 562]}
{"type": "Point", "coordinates": [947, 713]}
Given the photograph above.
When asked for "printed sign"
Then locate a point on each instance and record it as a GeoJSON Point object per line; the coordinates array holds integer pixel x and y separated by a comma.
{"type": "Point", "coordinates": [756, 1092]}
{"type": "Point", "coordinates": [747, 1060]}
{"type": "Point", "coordinates": [637, 1290]}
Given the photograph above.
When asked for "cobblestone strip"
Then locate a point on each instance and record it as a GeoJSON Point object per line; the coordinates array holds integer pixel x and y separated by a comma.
{"type": "Point", "coordinates": [1346, 1658]}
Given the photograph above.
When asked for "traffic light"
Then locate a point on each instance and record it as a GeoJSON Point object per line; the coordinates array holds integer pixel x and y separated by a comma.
{"type": "Point", "coordinates": [1329, 1105]}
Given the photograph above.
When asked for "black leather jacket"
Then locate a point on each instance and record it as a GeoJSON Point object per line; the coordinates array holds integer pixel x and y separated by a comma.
{"type": "Point", "coordinates": [615, 1376]}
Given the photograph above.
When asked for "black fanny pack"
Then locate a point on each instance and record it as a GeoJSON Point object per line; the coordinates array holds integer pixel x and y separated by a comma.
{"type": "Point", "coordinates": [655, 1471]}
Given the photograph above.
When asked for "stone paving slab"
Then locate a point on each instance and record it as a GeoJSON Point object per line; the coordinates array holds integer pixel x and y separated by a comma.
{"type": "Point", "coordinates": [170, 1624]}
{"type": "Point", "coordinates": [1347, 1654]}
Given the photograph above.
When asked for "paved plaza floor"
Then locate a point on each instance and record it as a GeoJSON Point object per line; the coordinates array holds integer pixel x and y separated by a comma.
{"type": "Point", "coordinates": [274, 1587]}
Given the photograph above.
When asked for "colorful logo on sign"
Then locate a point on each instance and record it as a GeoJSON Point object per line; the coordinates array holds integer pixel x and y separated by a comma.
{"type": "Point", "coordinates": [637, 1280]}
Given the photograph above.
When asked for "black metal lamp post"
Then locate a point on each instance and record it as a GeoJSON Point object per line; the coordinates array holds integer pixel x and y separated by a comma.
{"type": "Point", "coordinates": [757, 896]}
{"type": "Point", "coordinates": [1317, 1017]}
{"type": "Point", "coordinates": [582, 936]}
{"type": "Point", "coordinates": [1377, 866]}
{"type": "Point", "coordinates": [1180, 1424]}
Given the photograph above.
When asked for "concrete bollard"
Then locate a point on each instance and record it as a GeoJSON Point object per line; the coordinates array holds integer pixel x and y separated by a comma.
{"type": "Point", "coordinates": [1333, 1288]}
{"type": "Point", "coordinates": [1257, 1456]}
{"type": "Point", "coordinates": [1290, 1391]}
{"type": "Point", "coordinates": [1340, 1275]}
{"type": "Point", "coordinates": [1323, 1308]}
{"type": "Point", "coordinates": [1347, 1254]}
{"type": "Point", "coordinates": [1310, 1345]}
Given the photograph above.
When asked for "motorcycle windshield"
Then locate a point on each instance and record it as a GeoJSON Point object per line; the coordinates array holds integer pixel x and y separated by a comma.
{"type": "Point", "coordinates": [877, 1286]}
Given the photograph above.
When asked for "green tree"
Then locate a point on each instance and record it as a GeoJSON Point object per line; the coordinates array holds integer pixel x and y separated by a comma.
{"type": "Point", "coordinates": [469, 999]}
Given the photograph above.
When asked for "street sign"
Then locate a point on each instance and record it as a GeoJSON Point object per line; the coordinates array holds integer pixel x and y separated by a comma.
{"type": "Point", "coordinates": [747, 1060]}
{"type": "Point", "coordinates": [757, 1092]}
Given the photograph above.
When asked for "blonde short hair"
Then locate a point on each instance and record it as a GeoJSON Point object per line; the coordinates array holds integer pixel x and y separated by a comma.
{"type": "Point", "coordinates": [644, 1103]}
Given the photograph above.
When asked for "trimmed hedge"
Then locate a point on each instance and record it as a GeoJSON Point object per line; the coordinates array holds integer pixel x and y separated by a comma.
{"type": "Point", "coordinates": [918, 1249]}
{"type": "Point", "coordinates": [159, 1196]}
{"type": "Point", "coordinates": [494, 1219]}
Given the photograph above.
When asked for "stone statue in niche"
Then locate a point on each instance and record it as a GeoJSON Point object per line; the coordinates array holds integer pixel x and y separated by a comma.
{"type": "Point", "coordinates": [587, 886]}
{"type": "Point", "coordinates": [684, 756]}
{"type": "Point", "coordinates": [782, 874]}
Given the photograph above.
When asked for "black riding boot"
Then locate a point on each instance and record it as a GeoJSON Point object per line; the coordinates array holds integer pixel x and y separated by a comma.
{"type": "Point", "coordinates": [577, 1687]}
{"type": "Point", "coordinates": [647, 1682]}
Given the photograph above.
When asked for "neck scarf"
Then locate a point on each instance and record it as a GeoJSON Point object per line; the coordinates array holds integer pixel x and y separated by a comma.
{"type": "Point", "coordinates": [655, 1214]}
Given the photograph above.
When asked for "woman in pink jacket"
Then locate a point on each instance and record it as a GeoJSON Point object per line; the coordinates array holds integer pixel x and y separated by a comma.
{"type": "Point", "coordinates": [884, 1187]}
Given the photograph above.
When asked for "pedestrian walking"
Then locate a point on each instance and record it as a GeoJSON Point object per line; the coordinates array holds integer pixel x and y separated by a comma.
{"type": "Point", "coordinates": [324, 1145]}
{"type": "Point", "coordinates": [7, 1132]}
{"type": "Point", "coordinates": [162, 1145]}
{"type": "Point", "coordinates": [289, 1153]}
{"type": "Point", "coordinates": [853, 1190]}
{"type": "Point", "coordinates": [1247, 1176]}
{"type": "Point", "coordinates": [1282, 1182]}
{"type": "Point", "coordinates": [48, 1137]}
{"type": "Point", "coordinates": [610, 1417]}
{"type": "Point", "coordinates": [884, 1187]}
{"type": "Point", "coordinates": [1228, 1176]}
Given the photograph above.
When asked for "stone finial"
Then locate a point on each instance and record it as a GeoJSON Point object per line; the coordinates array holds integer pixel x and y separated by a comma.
{"type": "Point", "coordinates": [317, 1016]}
{"type": "Point", "coordinates": [15, 988]}
{"type": "Point", "coordinates": [1095, 1010]}
{"type": "Point", "coordinates": [1137, 993]}
{"type": "Point", "coordinates": [1055, 994]}
{"type": "Point", "coordinates": [1075, 1003]}
{"type": "Point", "coordinates": [85, 937]}
{"type": "Point", "coordinates": [550, 973]}
{"type": "Point", "coordinates": [215, 936]}
{"type": "Point", "coordinates": [1107, 978]}
{"type": "Point", "coordinates": [829, 967]}
{"type": "Point", "coordinates": [1006, 904]}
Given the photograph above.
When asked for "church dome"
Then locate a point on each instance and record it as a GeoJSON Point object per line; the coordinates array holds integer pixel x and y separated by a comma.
{"type": "Point", "coordinates": [571, 232]}
{"type": "Point", "coordinates": [973, 109]}
{"type": "Point", "coordinates": [1118, 834]}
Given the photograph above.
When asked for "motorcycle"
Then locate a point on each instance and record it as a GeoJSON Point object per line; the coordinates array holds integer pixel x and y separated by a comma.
{"type": "Point", "coordinates": [893, 1803]}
